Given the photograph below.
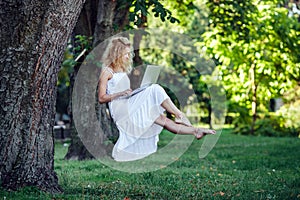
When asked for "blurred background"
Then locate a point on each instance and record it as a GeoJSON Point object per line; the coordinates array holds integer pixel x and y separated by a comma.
{"type": "Point", "coordinates": [255, 48]}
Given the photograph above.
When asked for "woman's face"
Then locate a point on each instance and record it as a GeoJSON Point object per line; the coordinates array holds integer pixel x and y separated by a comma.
{"type": "Point", "coordinates": [126, 55]}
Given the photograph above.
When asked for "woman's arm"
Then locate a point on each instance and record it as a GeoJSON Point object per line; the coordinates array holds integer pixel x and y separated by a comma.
{"type": "Point", "coordinates": [102, 96]}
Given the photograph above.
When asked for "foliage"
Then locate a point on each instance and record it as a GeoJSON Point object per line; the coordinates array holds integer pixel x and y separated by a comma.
{"type": "Point", "coordinates": [71, 58]}
{"type": "Point", "coordinates": [290, 111]}
{"type": "Point", "coordinates": [192, 16]}
{"type": "Point", "coordinates": [140, 9]}
{"type": "Point", "coordinates": [185, 11]}
{"type": "Point", "coordinates": [256, 47]}
{"type": "Point", "coordinates": [283, 122]}
{"type": "Point", "coordinates": [239, 167]}
{"type": "Point", "coordinates": [274, 125]}
{"type": "Point", "coordinates": [193, 19]}
{"type": "Point", "coordinates": [72, 52]}
{"type": "Point", "coordinates": [279, 124]}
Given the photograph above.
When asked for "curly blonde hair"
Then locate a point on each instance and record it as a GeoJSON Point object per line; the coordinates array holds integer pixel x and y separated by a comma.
{"type": "Point", "coordinates": [113, 56]}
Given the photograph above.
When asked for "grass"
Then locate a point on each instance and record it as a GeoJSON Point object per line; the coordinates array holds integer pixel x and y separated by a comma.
{"type": "Point", "coordinates": [239, 167]}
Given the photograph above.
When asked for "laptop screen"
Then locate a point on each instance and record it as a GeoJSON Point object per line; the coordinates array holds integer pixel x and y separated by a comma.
{"type": "Point", "coordinates": [151, 75]}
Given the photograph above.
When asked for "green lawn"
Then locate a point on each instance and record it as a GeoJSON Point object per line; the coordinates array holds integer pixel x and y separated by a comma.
{"type": "Point", "coordinates": [239, 167]}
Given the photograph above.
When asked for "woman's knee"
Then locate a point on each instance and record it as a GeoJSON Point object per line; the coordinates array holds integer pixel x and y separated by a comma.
{"type": "Point", "coordinates": [156, 87]}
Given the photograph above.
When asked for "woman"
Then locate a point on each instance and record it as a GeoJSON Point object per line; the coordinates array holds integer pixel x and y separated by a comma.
{"type": "Point", "coordinates": [139, 118]}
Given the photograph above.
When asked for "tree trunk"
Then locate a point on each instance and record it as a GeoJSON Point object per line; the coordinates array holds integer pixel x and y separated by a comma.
{"type": "Point", "coordinates": [135, 76]}
{"type": "Point", "coordinates": [34, 35]}
{"type": "Point", "coordinates": [254, 111]}
{"type": "Point", "coordinates": [109, 16]}
{"type": "Point", "coordinates": [85, 26]}
{"type": "Point", "coordinates": [111, 19]}
{"type": "Point", "coordinates": [76, 150]}
{"type": "Point", "coordinates": [254, 98]}
{"type": "Point", "coordinates": [87, 19]}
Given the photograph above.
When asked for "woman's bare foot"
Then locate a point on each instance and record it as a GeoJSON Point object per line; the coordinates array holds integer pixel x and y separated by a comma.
{"type": "Point", "coordinates": [201, 132]}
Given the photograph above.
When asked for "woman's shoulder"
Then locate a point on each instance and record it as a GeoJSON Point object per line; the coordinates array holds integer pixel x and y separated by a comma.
{"type": "Point", "coordinates": [108, 69]}
{"type": "Point", "coordinates": [107, 73]}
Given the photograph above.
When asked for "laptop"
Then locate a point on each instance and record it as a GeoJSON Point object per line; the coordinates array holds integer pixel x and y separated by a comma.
{"type": "Point", "coordinates": [150, 77]}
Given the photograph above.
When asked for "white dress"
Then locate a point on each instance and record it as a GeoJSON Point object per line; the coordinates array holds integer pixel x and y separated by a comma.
{"type": "Point", "coordinates": [134, 117]}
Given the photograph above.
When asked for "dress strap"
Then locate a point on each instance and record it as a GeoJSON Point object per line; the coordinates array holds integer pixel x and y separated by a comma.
{"type": "Point", "coordinates": [109, 69]}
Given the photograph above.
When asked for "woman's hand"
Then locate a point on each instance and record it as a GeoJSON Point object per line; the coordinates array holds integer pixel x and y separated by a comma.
{"type": "Point", "coordinates": [120, 94]}
{"type": "Point", "coordinates": [126, 92]}
{"type": "Point", "coordinates": [111, 97]}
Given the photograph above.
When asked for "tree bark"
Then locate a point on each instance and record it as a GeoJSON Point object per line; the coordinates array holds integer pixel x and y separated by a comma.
{"type": "Point", "coordinates": [85, 26]}
{"type": "Point", "coordinates": [111, 19]}
{"type": "Point", "coordinates": [135, 76]}
{"type": "Point", "coordinates": [34, 35]}
{"type": "Point", "coordinates": [76, 150]}
{"type": "Point", "coordinates": [87, 19]}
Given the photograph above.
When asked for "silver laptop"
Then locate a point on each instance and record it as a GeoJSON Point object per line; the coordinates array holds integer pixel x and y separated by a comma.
{"type": "Point", "coordinates": [150, 77]}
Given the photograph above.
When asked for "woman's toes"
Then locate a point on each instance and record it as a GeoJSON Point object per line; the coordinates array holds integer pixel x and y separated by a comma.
{"type": "Point", "coordinates": [202, 132]}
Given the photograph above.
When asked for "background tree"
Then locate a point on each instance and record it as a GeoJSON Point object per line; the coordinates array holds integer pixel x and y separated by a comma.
{"type": "Point", "coordinates": [96, 17]}
{"type": "Point", "coordinates": [112, 17]}
{"type": "Point", "coordinates": [193, 23]}
{"type": "Point", "coordinates": [34, 35]}
{"type": "Point", "coordinates": [255, 45]}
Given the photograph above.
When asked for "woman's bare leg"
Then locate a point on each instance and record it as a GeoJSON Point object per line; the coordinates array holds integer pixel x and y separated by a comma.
{"type": "Point", "coordinates": [182, 129]}
{"type": "Point", "coordinates": [171, 108]}
{"type": "Point", "coordinates": [179, 116]}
